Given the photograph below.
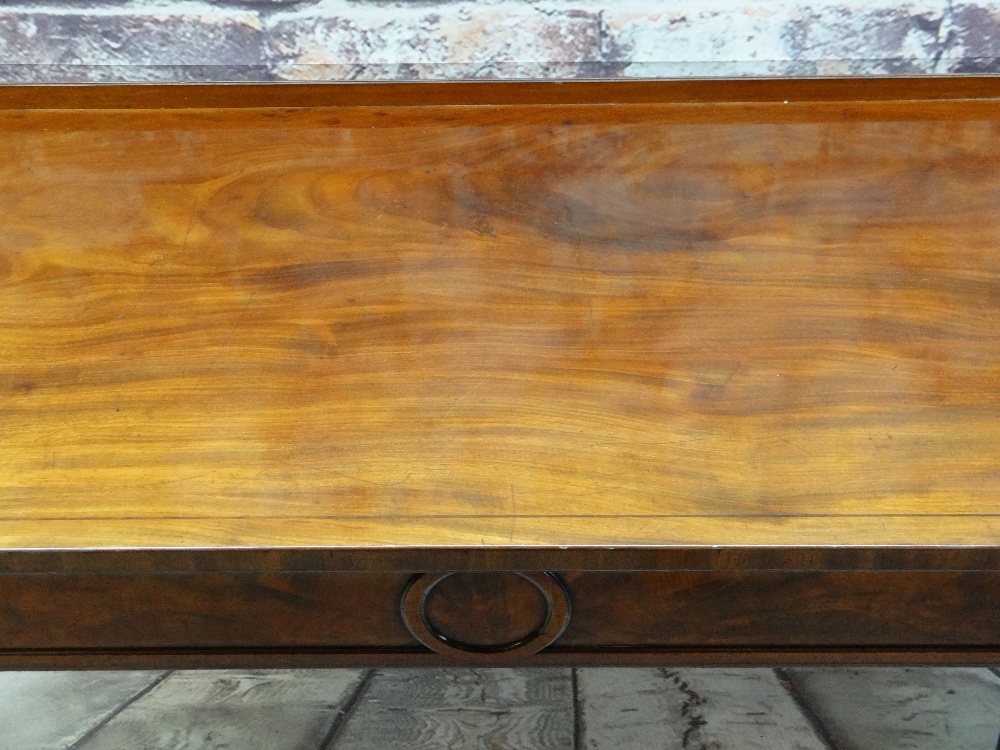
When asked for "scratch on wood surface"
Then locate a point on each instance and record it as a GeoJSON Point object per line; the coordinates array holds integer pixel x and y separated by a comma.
{"type": "Point", "coordinates": [360, 480]}
{"type": "Point", "coordinates": [795, 446]}
{"type": "Point", "coordinates": [465, 396]}
{"type": "Point", "coordinates": [190, 224]}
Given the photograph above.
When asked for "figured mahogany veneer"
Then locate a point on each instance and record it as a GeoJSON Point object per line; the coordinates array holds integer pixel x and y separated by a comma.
{"type": "Point", "coordinates": [658, 372]}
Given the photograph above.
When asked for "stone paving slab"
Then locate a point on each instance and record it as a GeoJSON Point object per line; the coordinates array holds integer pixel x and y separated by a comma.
{"type": "Point", "coordinates": [55, 710]}
{"type": "Point", "coordinates": [503, 709]}
{"type": "Point", "coordinates": [884, 708]}
{"type": "Point", "coordinates": [641, 709]}
{"type": "Point", "coordinates": [231, 710]}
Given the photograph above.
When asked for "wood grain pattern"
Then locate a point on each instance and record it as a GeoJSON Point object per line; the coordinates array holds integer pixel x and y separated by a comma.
{"type": "Point", "coordinates": [923, 89]}
{"type": "Point", "coordinates": [398, 559]}
{"type": "Point", "coordinates": [485, 610]}
{"type": "Point", "coordinates": [568, 326]}
{"type": "Point", "coordinates": [763, 609]}
{"type": "Point", "coordinates": [198, 612]}
{"type": "Point", "coordinates": [493, 709]}
{"type": "Point", "coordinates": [635, 617]}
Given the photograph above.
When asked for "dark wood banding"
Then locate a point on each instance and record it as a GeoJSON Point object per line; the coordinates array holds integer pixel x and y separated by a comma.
{"type": "Point", "coordinates": [642, 617]}
{"type": "Point", "coordinates": [159, 96]}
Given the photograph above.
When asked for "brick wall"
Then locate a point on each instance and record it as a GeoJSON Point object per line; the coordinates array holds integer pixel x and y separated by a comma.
{"type": "Point", "coordinates": [73, 40]}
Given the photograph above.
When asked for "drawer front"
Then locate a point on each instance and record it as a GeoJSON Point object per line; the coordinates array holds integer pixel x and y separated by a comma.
{"type": "Point", "coordinates": [202, 611]}
{"type": "Point", "coordinates": [495, 616]}
{"type": "Point", "coordinates": [774, 609]}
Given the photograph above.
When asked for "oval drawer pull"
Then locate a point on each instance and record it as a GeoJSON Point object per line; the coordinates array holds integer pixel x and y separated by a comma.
{"type": "Point", "coordinates": [486, 612]}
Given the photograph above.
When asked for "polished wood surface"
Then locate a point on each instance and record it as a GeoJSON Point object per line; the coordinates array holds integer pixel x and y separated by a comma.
{"type": "Point", "coordinates": [680, 324]}
{"type": "Point", "coordinates": [714, 91]}
{"type": "Point", "coordinates": [612, 611]}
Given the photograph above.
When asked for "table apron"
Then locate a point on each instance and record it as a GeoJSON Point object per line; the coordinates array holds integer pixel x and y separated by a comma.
{"type": "Point", "coordinates": [609, 617]}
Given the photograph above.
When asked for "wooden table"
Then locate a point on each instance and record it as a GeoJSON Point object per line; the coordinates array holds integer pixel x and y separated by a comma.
{"type": "Point", "coordinates": [675, 372]}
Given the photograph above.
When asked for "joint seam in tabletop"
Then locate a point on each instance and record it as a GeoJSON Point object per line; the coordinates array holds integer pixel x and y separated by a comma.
{"type": "Point", "coordinates": [498, 516]}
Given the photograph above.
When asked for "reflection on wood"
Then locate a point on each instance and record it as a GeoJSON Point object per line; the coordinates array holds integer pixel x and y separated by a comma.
{"type": "Point", "coordinates": [565, 325]}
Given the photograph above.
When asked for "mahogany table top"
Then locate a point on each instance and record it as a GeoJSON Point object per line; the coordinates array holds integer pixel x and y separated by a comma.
{"type": "Point", "coordinates": [418, 324]}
